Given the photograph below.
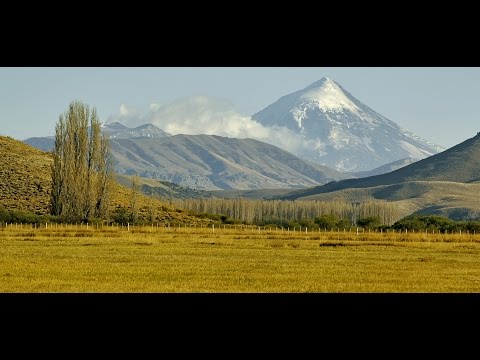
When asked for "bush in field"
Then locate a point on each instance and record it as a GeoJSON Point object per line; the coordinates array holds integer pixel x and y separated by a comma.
{"type": "Point", "coordinates": [411, 223]}
{"type": "Point", "coordinates": [4, 215]}
{"type": "Point", "coordinates": [426, 222]}
{"type": "Point", "coordinates": [438, 222]}
{"type": "Point", "coordinates": [121, 215]}
{"type": "Point", "coordinates": [20, 216]}
{"type": "Point", "coordinates": [23, 217]}
{"type": "Point", "coordinates": [308, 223]}
{"type": "Point", "coordinates": [326, 221]}
{"type": "Point", "coordinates": [331, 222]}
{"type": "Point", "coordinates": [473, 226]}
{"type": "Point", "coordinates": [370, 222]}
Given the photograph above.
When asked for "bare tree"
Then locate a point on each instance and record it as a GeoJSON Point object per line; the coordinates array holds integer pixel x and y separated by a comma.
{"type": "Point", "coordinates": [82, 167]}
{"type": "Point", "coordinates": [134, 197]}
{"type": "Point", "coordinates": [268, 210]}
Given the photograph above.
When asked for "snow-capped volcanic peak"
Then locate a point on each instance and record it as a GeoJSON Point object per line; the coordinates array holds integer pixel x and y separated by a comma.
{"type": "Point", "coordinates": [340, 131]}
{"type": "Point", "coordinates": [328, 96]}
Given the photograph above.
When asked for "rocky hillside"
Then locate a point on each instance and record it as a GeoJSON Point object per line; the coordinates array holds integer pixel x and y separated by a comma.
{"type": "Point", "coordinates": [210, 162]}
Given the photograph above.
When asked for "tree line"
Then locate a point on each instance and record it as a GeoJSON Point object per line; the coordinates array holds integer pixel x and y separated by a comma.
{"type": "Point", "coordinates": [278, 211]}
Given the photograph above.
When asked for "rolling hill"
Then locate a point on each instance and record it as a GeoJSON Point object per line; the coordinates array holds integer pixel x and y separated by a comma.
{"type": "Point", "coordinates": [460, 163]}
{"type": "Point", "coordinates": [163, 189]}
{"type": "Point", "coordinates": [25, 184]}
{"type": "Point", "coordinates": [394, 165]}
{"type": "Point", "coordinates": [457, 201]}
{"type": "Point", "coordinates": [446, 184]}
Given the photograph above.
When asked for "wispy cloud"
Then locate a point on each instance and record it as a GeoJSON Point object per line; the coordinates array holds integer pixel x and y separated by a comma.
{"type": "Point", "coordinates": [205, 115]}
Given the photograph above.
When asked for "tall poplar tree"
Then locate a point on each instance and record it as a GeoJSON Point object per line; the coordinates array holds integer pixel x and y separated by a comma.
{"type": "Point", "coordinates": [82, 167]}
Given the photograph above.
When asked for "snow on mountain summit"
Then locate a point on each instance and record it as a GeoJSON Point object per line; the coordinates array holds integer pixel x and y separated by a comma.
{"type": "Point", "coordinates": [342, 132]}
{"type": "Point", "coordinates": [328, 96]}
{"type": "Point", "coordinates": [116, 130]}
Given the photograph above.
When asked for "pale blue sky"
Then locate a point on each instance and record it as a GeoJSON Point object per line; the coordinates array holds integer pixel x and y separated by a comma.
{"type": "Point", "coordinates": [438, 104]}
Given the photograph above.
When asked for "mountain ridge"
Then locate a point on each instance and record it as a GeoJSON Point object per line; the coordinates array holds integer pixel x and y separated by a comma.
{"type": "Point", "coordinates": [459, 164]}
{"type": "Point", "coordinates": [212, 162]}
{"type": "Point", "coordinates": [207, 162]}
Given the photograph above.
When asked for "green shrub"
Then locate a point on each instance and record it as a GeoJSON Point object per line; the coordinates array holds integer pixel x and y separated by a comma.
{"type": "Point", "coordinates": [121, 215]}
{"type": "Point", "coordinates": [427, 222]}
{"type": "Point", "coordinates": [369, 222]}
{"type": "Point", "coordinates": [327, 221]}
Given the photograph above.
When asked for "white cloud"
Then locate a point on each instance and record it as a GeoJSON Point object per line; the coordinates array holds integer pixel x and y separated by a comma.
{"type": "Point", "coordinates": [204, 115]}
{"type": "Point", "coordinates": [125, 110]}
{"type": "Point", "coordinates": [127, 115]}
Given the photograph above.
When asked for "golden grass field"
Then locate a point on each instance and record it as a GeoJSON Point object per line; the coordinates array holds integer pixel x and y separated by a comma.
{"type": "Point", "coordinates": [151, 259]}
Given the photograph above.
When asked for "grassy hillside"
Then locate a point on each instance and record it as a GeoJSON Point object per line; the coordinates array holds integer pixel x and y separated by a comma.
{"type": "Point", "coordinates": [445, 184]}
{"type": "Point", "coordinates": [248, 194]}
{"type": "Point", "coordinates": [24, 177]}
{"type": "Point", "coordinates": [460, 163]}
{"type": "Point", "coordinates": [395, 165]}
{"type": "Point", "coordinates": [25, 184]}
{"type": "Point", "coordinates": [163, 189]}
{"type": "Point", "coordinates": [457, 201]}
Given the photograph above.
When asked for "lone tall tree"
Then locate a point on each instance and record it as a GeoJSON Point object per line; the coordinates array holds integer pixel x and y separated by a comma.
{"type": "Point", "coordinates": [82, 167]}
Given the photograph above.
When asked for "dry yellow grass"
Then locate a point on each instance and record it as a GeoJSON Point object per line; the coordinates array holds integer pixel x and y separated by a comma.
{"type": "Point", "coordinates": [24, 177]}
{"type": "Point", "coordinates": [74, 259]}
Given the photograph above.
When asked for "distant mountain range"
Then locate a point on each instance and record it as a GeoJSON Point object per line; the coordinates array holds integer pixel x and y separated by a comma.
{"type": "Point", "coordinates": [117, 130]}
{"type": "Point", "coordinates": [45, 143]}
{"type": "Point", "coordinates": [342, 132]}
{"type": "Point", "coordinates": [114, 130]}
{"type": "Point", "coordinates": [210, 162]}
{"type": "Point", "coordinates": [206, 162]}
